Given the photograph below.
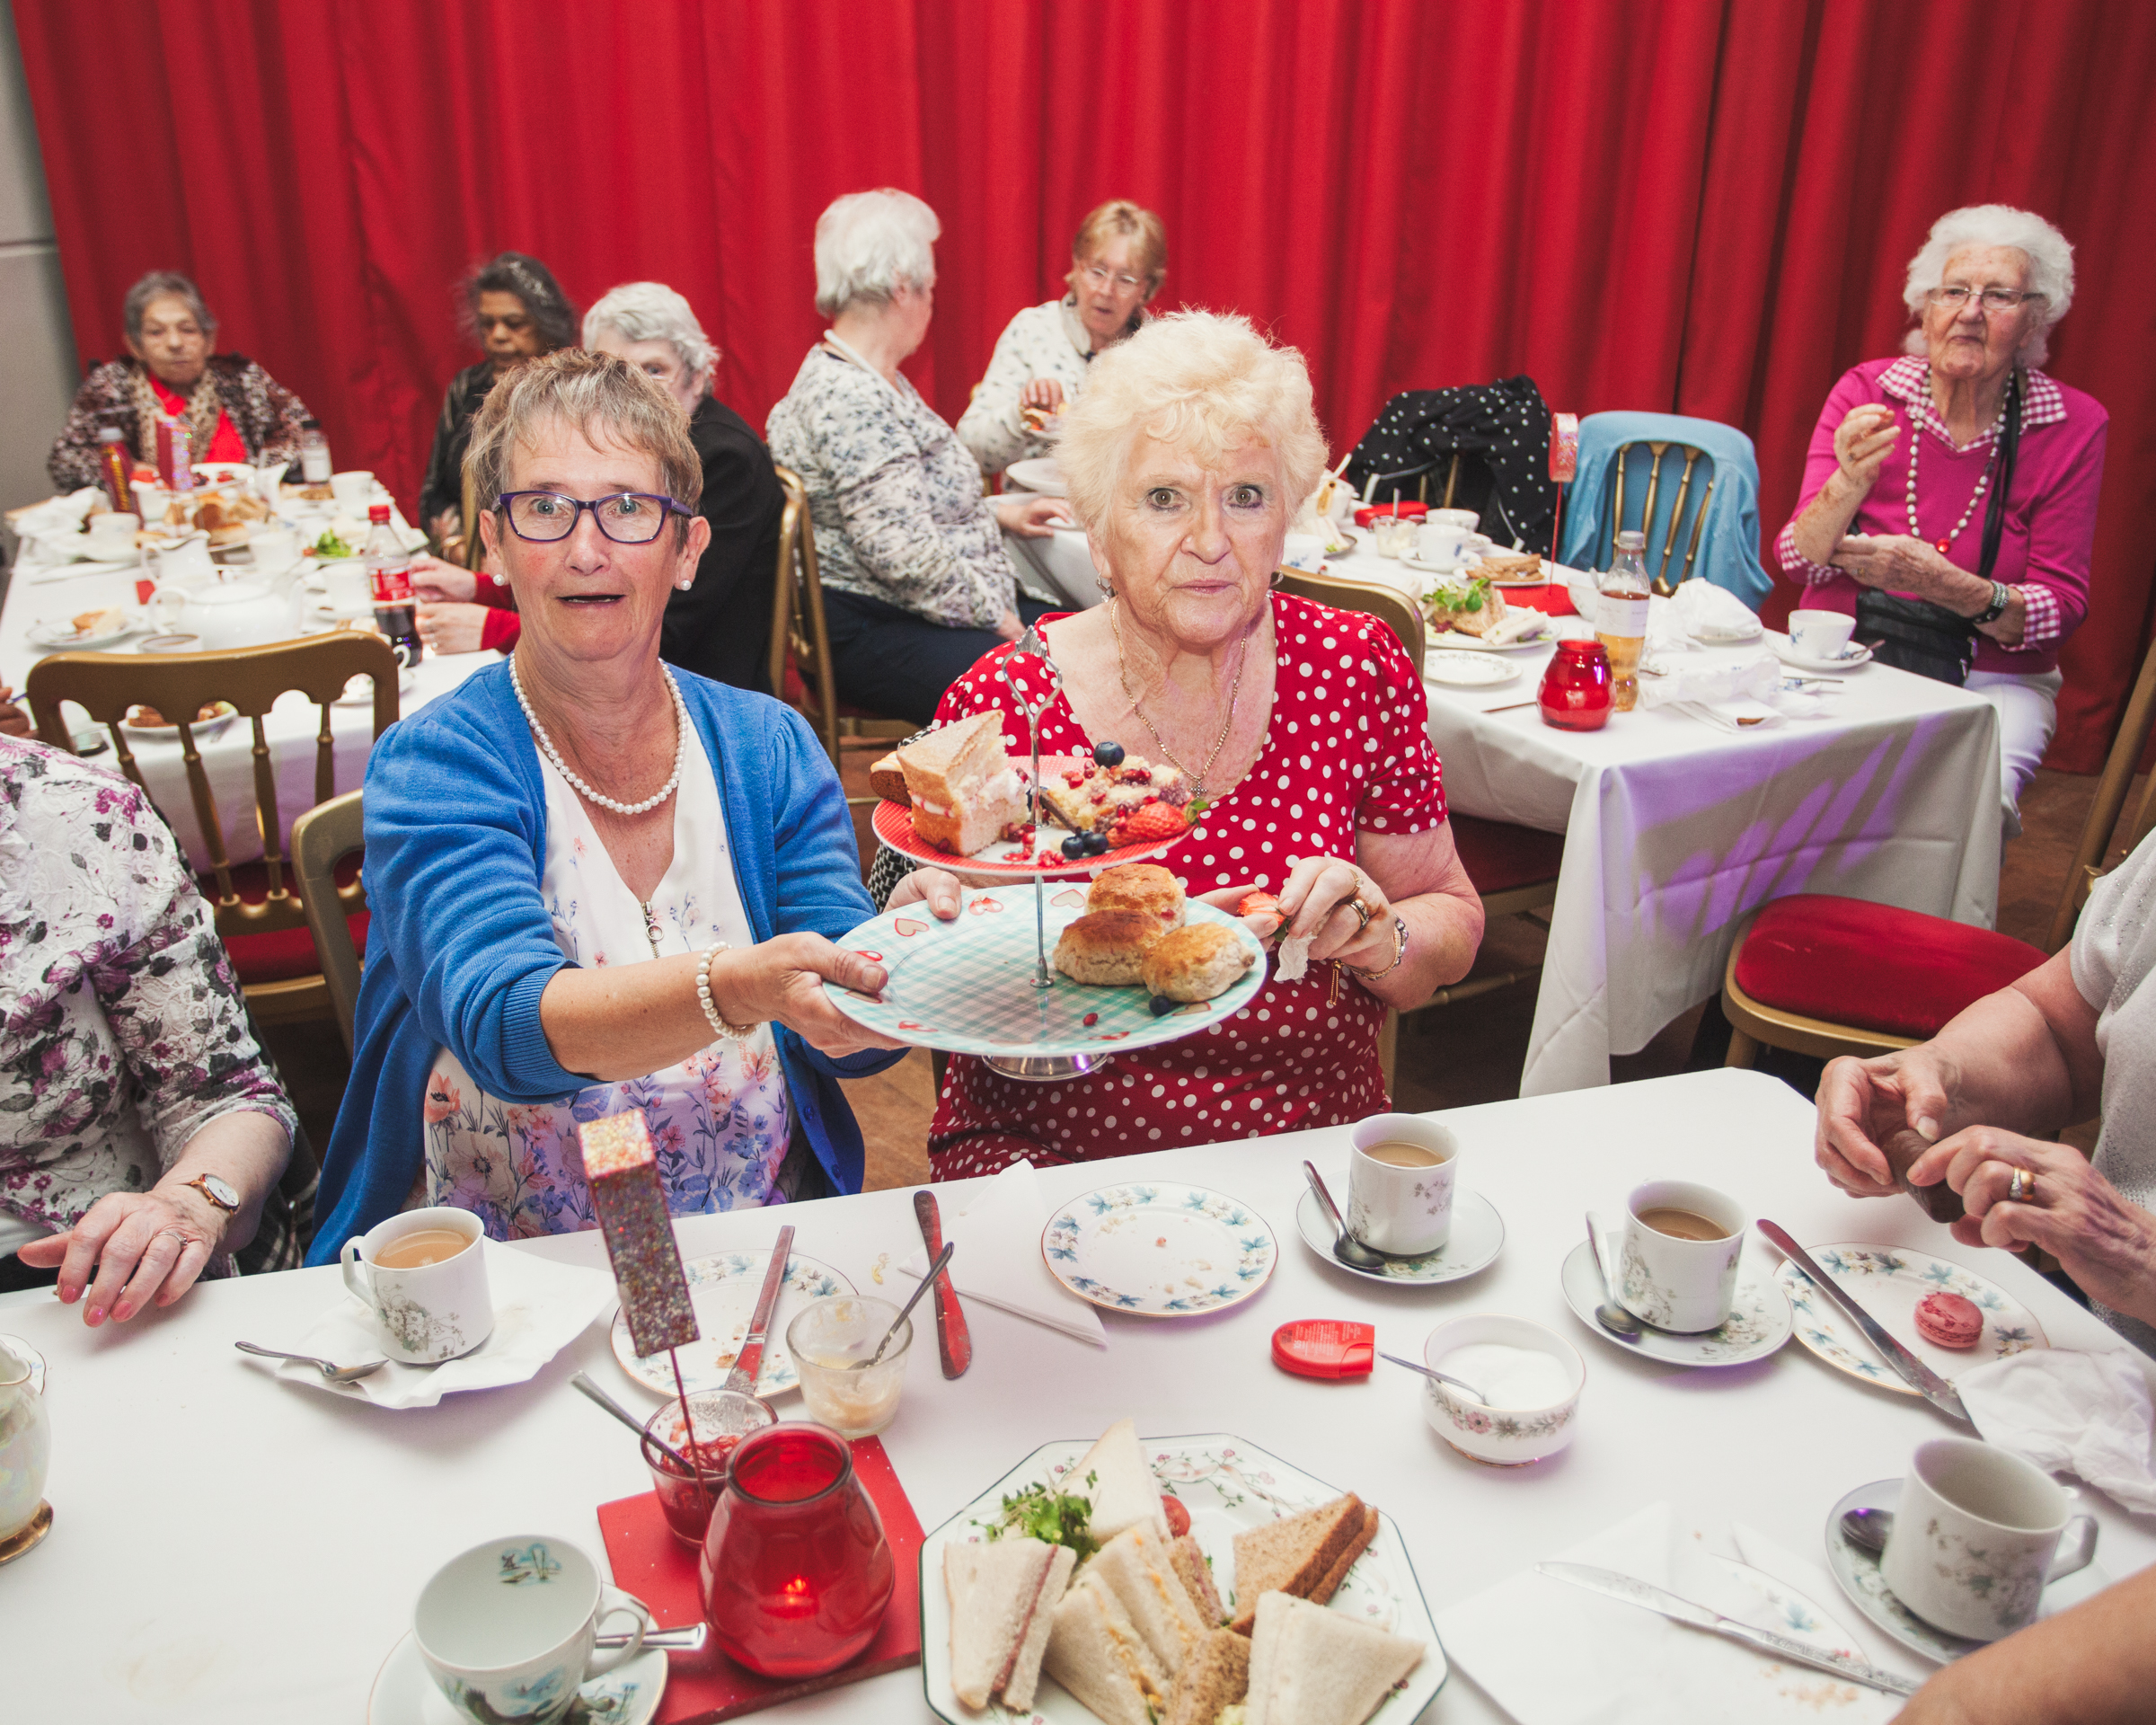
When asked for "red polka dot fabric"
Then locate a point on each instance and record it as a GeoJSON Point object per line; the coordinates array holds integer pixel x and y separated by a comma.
{"type": "Point", "coordinates": [1347, 750]}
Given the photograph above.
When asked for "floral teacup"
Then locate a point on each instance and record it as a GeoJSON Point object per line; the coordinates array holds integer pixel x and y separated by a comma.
{"type": "Point", "coordinates": [1680, 1282]}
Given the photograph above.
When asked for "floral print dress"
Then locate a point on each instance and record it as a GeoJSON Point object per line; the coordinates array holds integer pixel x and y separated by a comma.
{"type": "Point", "coordinates": [720, 1118]}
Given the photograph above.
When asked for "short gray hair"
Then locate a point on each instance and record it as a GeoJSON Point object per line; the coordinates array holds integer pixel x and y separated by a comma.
{"type": "Point", "coordinates": [604, 397]}
{"type": "Point", "coordinates": [651, 311]}
{"type": "Point", "coordinates": [868, 245]}
{"type": "Point", "coordinates": [162, 284]}
{"type": "Point", "coordinates": [2049, 252]}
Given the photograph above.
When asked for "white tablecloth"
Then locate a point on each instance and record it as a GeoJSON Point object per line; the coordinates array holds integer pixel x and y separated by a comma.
{"type": "Point", "coordinates": [226, 756]}
{"type": "Point", "coordinates": [1059, 564]}
{"type": "Point", "coordinates": [229, 1547]}
{"type": "Point", "coordinates": [1673, 831]}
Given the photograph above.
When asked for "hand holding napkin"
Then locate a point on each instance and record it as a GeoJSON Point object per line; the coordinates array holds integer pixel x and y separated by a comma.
{"type": "Point", "coordinates": [2068, 1412]}
{"type": "Point", "coordinates": [998, 1260]}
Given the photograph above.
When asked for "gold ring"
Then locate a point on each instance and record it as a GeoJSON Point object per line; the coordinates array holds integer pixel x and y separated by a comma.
{"type": "Point", "coordinates": [2022, 1188]}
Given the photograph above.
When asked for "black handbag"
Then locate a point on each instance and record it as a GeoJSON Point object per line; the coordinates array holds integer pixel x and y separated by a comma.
{"type": "Point", "coordinates": [1929, 640]}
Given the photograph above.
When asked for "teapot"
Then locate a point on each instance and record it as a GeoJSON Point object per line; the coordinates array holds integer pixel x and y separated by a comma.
{"type": "Point", "coordinates": [26, 1448]}
{"type": "Point", "coordinates": [223, 614]}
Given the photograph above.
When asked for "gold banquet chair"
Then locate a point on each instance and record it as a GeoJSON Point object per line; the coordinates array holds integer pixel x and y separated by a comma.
{"type": "Point", "coordinates": [322, 839]}
{"type": "Point", "coordinates": [258, 914]}
{"type": "Point", "coordinates": [1663, 532]}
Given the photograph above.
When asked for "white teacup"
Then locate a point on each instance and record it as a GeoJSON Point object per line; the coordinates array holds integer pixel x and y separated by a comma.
{"type": "Point", "coordinates": [112, 533]}
{"type": "Point", "coordinates": [508, 1628]}
{"type": "Point", "coordinates": [345, 585]}
{"type": "Point", "coordinates": [1821, 634]}
{"type": "Point", "coordinates": [1401, 1207]}
{"type": "Point", "coordinates": [1445, 536]}
{"type": "Point", "coordinates": [275, 550]}
{"type": "Point", "coordinates": [1674, 1282]}
{"type": "Point", "coordinates": [1303, 551]}
{"type": "Point", "coordinates": [426, 1313]}
{"type": "Point", "coordinates": [354, 488]}
{"type": "Point", "coordinates": [1975, 1538]}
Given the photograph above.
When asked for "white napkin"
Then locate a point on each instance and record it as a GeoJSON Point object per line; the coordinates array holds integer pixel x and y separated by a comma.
{"type": "Point", "coordinates": [2072, 1412]}
{"type": "Point", "coordinates": [539, 1307]}
{"type": "Point", "coordinates": [1756, 679]}
{"type": "Point", "coordinates": [1712, 613]}
{"type": "Point", "coordinates": [57, 515]}
{"type": "Point", "coordinates": [1553, 1654]}
{"type": "Point", "coordinates": [998, 1258]}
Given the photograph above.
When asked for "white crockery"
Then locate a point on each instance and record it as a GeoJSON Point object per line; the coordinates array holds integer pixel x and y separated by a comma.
{"type": "Point", "coordinates": [223, 614]}
{"type": "Point", "coordinates": [1402, 1212]}
{"type": "Point", "coordinates": [1445, 536]}
{"type": "Point", "coordinates": [1821, 634]}
{"type": "Point", "coordinates": [1506, 1436]}
{"type": "Point", "coordinates": [1687, 1286]}
{"type": "Point", "coordinates": [354, 490]}
{"type": "Point", "coordinates": [432, 1312]}
{"type": "Point", "coordinates": [1303, 551]}
{"type": "Point", "coordinates": [25, 1437]}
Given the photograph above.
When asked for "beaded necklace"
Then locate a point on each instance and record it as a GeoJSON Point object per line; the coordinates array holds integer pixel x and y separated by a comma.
{"type": "Point", "coordinates": [1983, 479]}
{"type": "Point", "coordinates": [546, 746]}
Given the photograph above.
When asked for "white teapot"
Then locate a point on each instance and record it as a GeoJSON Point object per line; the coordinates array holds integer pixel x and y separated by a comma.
{"type": "Point", "coordinates": [25, 1445]}
{"type": "Point", "coordinates": [223, 614]}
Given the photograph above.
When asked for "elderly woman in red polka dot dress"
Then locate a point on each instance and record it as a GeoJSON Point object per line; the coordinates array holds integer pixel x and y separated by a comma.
{"type": "Point", "coordinates": [1302, 730]}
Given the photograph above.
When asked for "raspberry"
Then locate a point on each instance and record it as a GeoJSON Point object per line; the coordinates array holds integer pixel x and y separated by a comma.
{"type": "Point", "coordinates": [1091, 1018]}
{"type": "Point", "coordinates": [1151, 824]}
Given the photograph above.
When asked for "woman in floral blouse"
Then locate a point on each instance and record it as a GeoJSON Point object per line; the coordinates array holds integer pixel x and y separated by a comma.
{"type": "Point", "coordinates": [142, 1131]}
{"type": "Point", "coordinates": [916, 582]}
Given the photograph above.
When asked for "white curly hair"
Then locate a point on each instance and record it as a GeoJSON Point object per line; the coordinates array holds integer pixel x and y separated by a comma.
{"type": "Point", "coordinates": [651, 311]}
{"type": "Point", "coordinates": [868, 245]}
{"type": "Point", "coordinates": [2049, 252]}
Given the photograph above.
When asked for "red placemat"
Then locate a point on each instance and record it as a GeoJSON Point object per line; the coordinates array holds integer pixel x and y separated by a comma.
{"type": "Point", "coordinates": [648, 1562]}
{"type": "Point", "coordinates": [1553, 599]}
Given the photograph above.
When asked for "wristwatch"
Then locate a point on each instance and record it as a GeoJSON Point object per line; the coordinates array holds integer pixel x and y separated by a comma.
{"type": "Point", "coordinates": [2001, 596]}
{"type": "Point", "coordinates": [217, 1191]}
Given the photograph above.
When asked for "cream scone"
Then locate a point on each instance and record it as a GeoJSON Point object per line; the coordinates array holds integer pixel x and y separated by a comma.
{"type": "Point", "coordinates": [1106, 948]}
{"type": "Point", "coordinates": [1142, 887]}
{"type": "Point", "coordinates": [1197, 962]}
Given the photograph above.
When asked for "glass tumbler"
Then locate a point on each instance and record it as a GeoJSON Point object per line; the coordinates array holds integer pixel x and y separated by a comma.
{"type": "Point", "coordinates": [831, 1341]}
{"type": "Point", "coordinates": [723, 1419]}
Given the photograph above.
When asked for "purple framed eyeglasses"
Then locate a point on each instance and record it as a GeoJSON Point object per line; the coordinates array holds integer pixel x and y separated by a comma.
{"type": "Point", "coordinates": [626, 517]}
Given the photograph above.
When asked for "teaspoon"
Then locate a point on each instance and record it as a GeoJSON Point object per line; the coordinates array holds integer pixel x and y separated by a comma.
{"type": "Point", "coordinates": [1345, 1247]}
{"type": "Point", "coordinates": [927, 1282]}
{"type": "Point", "coordinates": [1442, 1378]}
{"type": "Point", "coordinates": [329, 1368]}
{"type": "Point", "coordinates": [1610, 1314]}
{"type": "Point", "coordinates": [1868, 1528]}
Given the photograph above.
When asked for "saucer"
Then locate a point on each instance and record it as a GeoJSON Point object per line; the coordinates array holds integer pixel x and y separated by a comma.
{"type": "Point", "coordinates": [1858, 1572]}
{"type": "Point", "coordinates": [1466, 670]}
{"type": "Point", "coordinates": [1759, 1321]}
{"type": "Point", "coordinates": [1478, 1237]}
{"type": "Point", "coordinates": [404, 1693]}
{"type": "Point", "coordinates": [1851, 657]}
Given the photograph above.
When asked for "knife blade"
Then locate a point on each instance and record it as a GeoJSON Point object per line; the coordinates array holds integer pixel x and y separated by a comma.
{"type": "Point", "coordinates": [1648, 1597]}
{"type": "Point", "coordinates": [953, 1340]}
{"type": "Point", "coordinates": [749, 1361]}
{"type": "Point", "coordinates": [1911, 1370]}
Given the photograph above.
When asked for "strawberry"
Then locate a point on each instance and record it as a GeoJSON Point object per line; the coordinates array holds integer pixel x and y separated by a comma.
{"type": "Point", "coordinates": [1154, 822]}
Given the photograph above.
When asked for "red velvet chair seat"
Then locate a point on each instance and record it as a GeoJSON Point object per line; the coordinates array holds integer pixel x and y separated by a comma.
{"type": "Point", "coordinates": [1499, 856]}
{"type": "Point", "coordinates": [284, 954]}
{"type": "Point", "coordinates": [1873, 967]}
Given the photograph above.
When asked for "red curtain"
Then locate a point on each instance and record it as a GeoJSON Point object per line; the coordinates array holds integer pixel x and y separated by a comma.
{"type": "Point", "coordinates": [1697, 206]}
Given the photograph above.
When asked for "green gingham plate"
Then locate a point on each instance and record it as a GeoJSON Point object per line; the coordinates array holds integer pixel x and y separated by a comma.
{"type": "Point", "coordinates": [1158, 1250]}
{"type": "Point", "coordinates": [966, 986]}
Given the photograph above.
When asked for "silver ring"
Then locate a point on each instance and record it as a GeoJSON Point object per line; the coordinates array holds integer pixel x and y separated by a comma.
{"type": "Point", "coordinates": [2020, 1188]}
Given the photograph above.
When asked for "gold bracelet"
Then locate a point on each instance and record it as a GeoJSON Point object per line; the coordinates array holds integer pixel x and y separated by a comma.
{"type": "Point", "coordinates": [735, 1032]}
{"type": "Point", "coordinates": [1400, 951]}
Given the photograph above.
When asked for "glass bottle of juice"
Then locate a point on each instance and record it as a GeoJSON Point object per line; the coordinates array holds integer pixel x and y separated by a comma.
{"type": "Point", "coordinates": [1620, 617]}
{"type": "Point", "coordinates": [116, 468]}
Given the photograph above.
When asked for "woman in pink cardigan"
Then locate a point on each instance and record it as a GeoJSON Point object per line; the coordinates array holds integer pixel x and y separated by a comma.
{"type": "Point", "coordinates": [1907, 452]}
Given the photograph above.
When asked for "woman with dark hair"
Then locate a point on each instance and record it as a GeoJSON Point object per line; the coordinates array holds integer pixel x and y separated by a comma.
{"type": "Point", "coordinates": [517, 309]}
{"type": "Point", "coordinates": [236, 411]}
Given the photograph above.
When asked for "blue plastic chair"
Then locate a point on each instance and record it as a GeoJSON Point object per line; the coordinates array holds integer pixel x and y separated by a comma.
{"type": "Point", "coordinates": [1693, 485]}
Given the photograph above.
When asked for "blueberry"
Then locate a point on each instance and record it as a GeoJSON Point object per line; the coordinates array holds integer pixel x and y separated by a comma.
{"type": "Point", "coordinates": [1096, 842]}
{"type": "Point", "coordinates": [1108, 753]}
{"type": "Point", "coordinates": [1163, 1005]}
{"type": "Point", "coordinates": [1074, 847]}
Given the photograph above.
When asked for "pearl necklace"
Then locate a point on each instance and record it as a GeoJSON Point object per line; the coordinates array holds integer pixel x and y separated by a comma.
{"type": "Point", "coordinates": [546, 747]}
{"type": "Point", "coordinates": [1983, 480]}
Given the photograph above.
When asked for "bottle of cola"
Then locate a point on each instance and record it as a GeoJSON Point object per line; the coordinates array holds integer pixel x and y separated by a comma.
{"type": "Point", "coordinates": [389, 575]}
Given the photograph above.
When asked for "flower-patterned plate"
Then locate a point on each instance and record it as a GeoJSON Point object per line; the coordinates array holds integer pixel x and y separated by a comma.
{"type": "Point", "coordinates": [1228, 1487]}
{"type": "Point", "coordinates": [1888, 1281]}
{"type": "Point", "coordinates": [1858, 1572]}
{"type": "Point", "coordinates": [967, 986]}
{"type": "Point", "coordinates": [404, 1693]}
{"type": "Point", "coordinates": [1159, 1249]}
{"type": "Point", "coordinates": [723, 1288]}
{"type": "Point", "coordinates": [1478, 1237]}
{"type": "Point", "coordinates": [1759, 1320]}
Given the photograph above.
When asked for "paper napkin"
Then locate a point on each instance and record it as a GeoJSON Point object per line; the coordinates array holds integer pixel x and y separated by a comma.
{"type": "Point", "coordinates": [2070, 1413]}
{"type": "Point", "coordinates": [539, 1307]}
{"type": "Point", "coordinates": [998, 1258]}
{"type": "Point", "coordinates": [1553, 1654]}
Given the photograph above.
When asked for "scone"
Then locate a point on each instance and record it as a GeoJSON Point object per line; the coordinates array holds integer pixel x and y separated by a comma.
{"type": "Point", "coordinates": [1142, 887]}
{"type": "Point", "coordinates": [1195, 963]}
{"type": "Point", "coordinates": [1108, 948]}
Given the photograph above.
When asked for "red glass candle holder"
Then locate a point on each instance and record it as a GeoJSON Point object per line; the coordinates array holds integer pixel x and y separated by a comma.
{"type": "Point", "coordinates": [795, 1572]}
{"type": "Point", "coordinates": [1576, 694]}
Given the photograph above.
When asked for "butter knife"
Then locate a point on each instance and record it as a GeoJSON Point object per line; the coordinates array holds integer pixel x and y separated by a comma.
{"type": "Point", "coordinates": [953, 1340]}
{"type": "Point", "coordinates": [1911, 1370]}
{"type": "Point", "coordinates": [749, 1361]}
{"type": "Point", "coordinates": [1647, 1597]}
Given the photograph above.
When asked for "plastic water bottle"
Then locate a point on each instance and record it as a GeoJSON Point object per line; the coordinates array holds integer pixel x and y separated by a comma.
{"type": "Point", "coordinates": [1620, 617]}
{"type": "Point", "coordinates": [314, 465]}
{"type": "Point", "coordinates": [389, 575]}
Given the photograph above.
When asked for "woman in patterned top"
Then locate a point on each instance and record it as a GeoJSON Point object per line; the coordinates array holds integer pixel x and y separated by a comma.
{"type": "Point", "coordinates": [236, 411]}
{"type": "Point", "coordinates": [916, 582]}
{"type": "Point", "coordinates": [1907, 451]}
{"type": "Point", "coordinates": [1118, 263]}
{"type": "Point", "coordinates": [142, 1132]}
{"type": "Point", "coordinates": [1303, 731]}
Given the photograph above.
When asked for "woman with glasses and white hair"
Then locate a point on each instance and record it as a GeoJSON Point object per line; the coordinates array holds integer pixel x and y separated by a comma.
{"type": "Point", "coordinates": [1960, 482]}
{"type": "Point", "coordinates": [917, 584]}
{"type": "Point", "coordinates": [719, 627]}
{"type": "Point", "coordinates": [235, 410]}
{"type": "Point", "coordinates": [1118, 263]}
{"type": "Point", "coordinates": [597, 883]}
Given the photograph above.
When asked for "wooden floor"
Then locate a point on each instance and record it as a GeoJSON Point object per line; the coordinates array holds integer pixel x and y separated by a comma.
{"type": "Point", "coordinates": [1448, 1058]}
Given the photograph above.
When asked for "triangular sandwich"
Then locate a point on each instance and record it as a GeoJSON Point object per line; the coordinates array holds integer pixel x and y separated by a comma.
{"type": "Point", "coordinates": [1329, 1584]}
{"type": "Point", "coordinates": [1138, 1567]}
{"type": "Point", "coordinates": [1096, 1652]}
{"type": "Point", "coordinates": [1196, 1577]}
{"type": "Point", "coordinates": [1003, 1594]}
{"type": "Point", "coordinates": [1313, 1667]}
{"type": "Point", "coordinates": [1294, 1554]}
{"type": "Point", "coordinates": [1123, 1492]}
{"type": "Point", "coordinates": [1217, 1675]}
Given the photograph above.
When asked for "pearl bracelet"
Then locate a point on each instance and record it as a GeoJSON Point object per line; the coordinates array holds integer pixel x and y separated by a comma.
{"type": "Point", "coordinates": [735, 1032]}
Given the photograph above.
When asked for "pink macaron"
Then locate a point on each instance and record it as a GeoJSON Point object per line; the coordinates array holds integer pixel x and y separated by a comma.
{"type": "Point", "coordinates": [1949, 1320]}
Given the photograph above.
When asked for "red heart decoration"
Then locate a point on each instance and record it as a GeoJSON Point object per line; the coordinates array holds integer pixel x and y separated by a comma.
{"type": "Point", "coordinates": [908, 1024]}
{"type": "Point", "coordinates": [984, 907]}
{"type": "Point", "coordinates": [1069, 896]}
{"type": "Point", "coordinates": [1111, 1036]}
{"type": "Point", "coordinates": [874, 958]}
{"type": "Point", "coordinates": [906, 927]}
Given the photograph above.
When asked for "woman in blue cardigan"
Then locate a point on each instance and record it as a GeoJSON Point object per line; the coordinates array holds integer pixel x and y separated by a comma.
{"type": "Point", "coordinates": [597, 882]}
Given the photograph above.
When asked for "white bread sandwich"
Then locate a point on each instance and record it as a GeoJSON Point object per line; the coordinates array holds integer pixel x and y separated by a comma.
{"type": "Point", "coordinates": [1138, 1567]}
{"type": "Point", "coordinates": [1143, 886]}
{"type": "Point", "coordinates": [1122, 1491]}
{"type": "Point", "coordinates": [1197, 962]}
{"type": "Point", "coordinates": [1004, 1594]}
{"type": "Point", "coordinates": [1294, 1554]}
{"type": "Point", "coordinates": [1217, 1675]}
{"type": "Point", "coordinates": [1196, 1577]}
{"type": "Point", "coordinates": [1106, 948]}
{"type": "Point", "coordinates": [1313, 1667]}
{"type": "Point", "coordinates": [1096, 1652]}
{"type": "Point", "coordinates": [966, 793]}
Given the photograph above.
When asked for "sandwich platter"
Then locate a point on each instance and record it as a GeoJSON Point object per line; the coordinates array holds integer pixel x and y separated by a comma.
{"type": "Point", "coordinates": [1227, 1486]}
{"type": "Point", "coordinates": [968, 986]}
{"type": "Point", "coordinates": [1005, 858]}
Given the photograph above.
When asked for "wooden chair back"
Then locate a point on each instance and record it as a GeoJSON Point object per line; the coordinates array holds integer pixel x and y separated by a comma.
{"type": "Point", "coordinates": [1376, 599]}
{"type": "Point", "coordinates": [798, 624]}
{"type": "Point", "coordinates": [105, 686]}
{"type": "Point", "coordinates": [1662, 532]}
{"type": "Point", "coordinates": [2101, 833]}
{"type": "Point", "coordinates": [321, 838]}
